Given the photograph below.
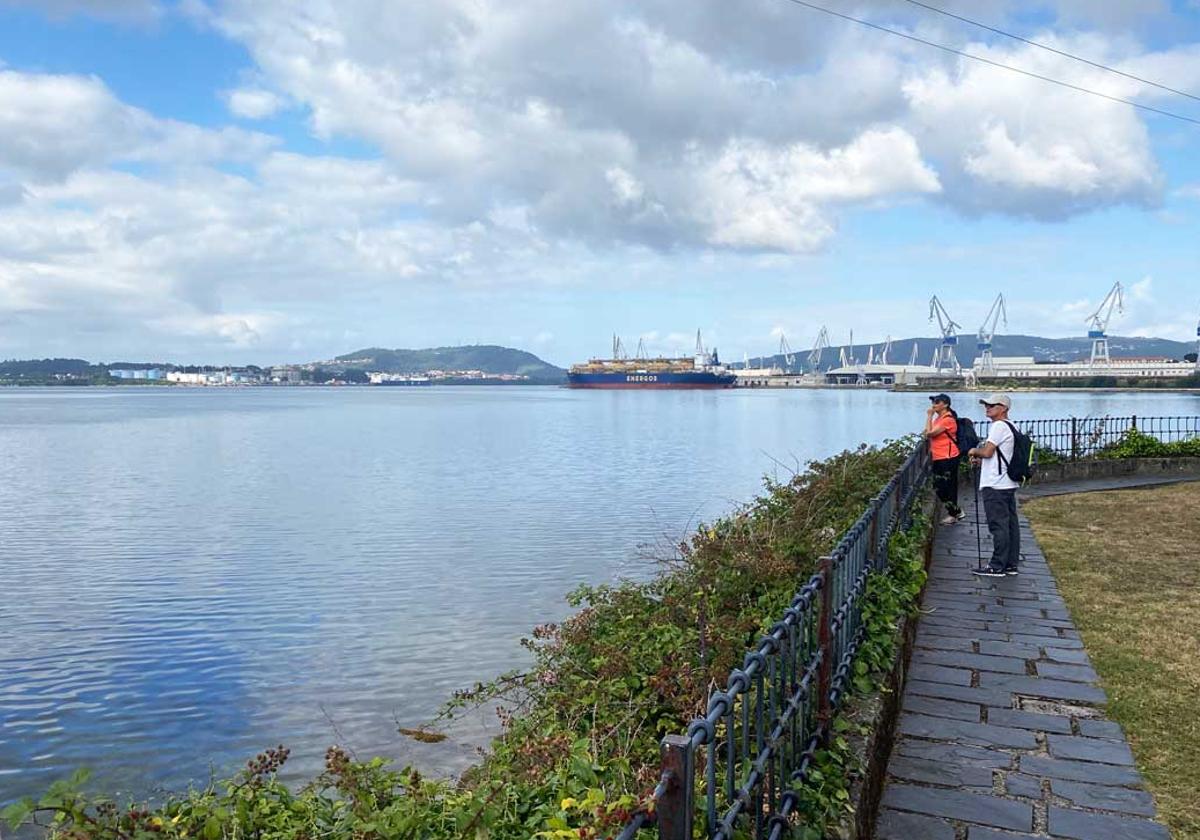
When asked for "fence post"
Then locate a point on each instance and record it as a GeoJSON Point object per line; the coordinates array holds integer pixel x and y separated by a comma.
{"type": "Point", "coordinates": [825, 643]}
{"type": "Point", "coordinates": [873, 534]}
{"type": "Point", "coordinates": [1074, 438]}
{"type": "Point", "coordinates": [1133, 424]}
{"type": "Point", "coordinates": [675, 807]}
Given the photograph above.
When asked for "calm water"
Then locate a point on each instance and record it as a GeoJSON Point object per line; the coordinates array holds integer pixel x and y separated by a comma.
{"type": "Point", "coordinates": [191, 575]}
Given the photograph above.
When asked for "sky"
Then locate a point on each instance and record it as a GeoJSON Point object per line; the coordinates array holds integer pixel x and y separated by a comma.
{"type": "Point", "coordinates": [233, 181]}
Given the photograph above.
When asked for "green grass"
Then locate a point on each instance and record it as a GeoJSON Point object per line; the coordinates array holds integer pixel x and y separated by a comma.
{"type": "Point", "coordinates": [1128, 565]}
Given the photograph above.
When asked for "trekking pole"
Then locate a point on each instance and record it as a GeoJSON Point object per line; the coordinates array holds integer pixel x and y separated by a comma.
{"type": "Point", "coordinates": [978, 535]}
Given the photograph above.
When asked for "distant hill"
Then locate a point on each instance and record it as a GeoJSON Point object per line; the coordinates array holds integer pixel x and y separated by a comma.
{"type": "Point", "coordinates": [1042, 349]}
{"type": "Point", "coordinates": [489, 358]}
{"type": "Point", "coordinates": [46, 367]}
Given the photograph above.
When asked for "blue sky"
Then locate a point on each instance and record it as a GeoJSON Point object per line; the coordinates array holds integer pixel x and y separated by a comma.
{"type": "Point", "coordinates": [227, 181]}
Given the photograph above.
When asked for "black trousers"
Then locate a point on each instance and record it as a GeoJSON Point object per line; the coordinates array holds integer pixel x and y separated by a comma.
{"type": "Point", "coordinates": [1000, 507]}
{"type": "Point", "coordinates": [945, 482]}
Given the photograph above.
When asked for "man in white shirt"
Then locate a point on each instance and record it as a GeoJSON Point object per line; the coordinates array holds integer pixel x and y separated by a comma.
{"type": "Point", "coordinates": [998, 490]}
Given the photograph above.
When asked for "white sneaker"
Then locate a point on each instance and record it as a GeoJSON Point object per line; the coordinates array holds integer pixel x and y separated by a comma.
{"type": "Point", "coordinates": [948, 519]}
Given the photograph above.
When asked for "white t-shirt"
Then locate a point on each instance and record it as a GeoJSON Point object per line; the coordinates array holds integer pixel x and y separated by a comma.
{"type": "Point", "coordinates": [993, 473]}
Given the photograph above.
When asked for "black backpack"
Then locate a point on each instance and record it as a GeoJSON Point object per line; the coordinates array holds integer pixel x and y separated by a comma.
{"type": "Point", "coordinates": [966, 437]}
{"type": "Point", "coordinates": [1020, 469]}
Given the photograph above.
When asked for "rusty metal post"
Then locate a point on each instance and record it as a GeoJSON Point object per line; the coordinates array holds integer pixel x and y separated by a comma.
{"type": "Point", "coordinates": [1074, 438]}
{"type": "Point", "coordinates": [1134, 423]}
{"type": "Point", "coordinates": [675, 806]}
{"type": "Point", "coordinates": [825, 643]}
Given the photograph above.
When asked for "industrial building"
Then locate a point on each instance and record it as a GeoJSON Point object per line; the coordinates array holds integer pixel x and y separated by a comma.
{"type": "Point", "coordinates": [123, 373]}
{"type": "Point", "coordinates": [882, 374]}
{"type": "Point", "coordinates": [1025, 367]}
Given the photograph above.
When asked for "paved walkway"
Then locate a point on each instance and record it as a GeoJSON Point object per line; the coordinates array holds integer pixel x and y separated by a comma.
{"type": "Point", "coordinates": [1002, 734]}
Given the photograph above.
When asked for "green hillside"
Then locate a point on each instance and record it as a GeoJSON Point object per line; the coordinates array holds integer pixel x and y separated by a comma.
{"type": "Point", "coordinates": [488, 358]}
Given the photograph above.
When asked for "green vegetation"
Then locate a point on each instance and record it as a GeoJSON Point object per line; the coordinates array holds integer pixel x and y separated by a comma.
{"type": "Point", "coordinates": [1126, 564]}
{"type": "Point", "coordinates": [1135, 444]}
{"type": "Point", "coordinates": [52, 372]}
{"type": "Point", "coordinates": [579, 750]}
{"type": "Point", "coordinates": [483, 357]}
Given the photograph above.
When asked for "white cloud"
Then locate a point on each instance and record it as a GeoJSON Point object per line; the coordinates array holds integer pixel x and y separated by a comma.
{"type": "Point", "coordinates": [52, 125]}
{"type": "Point", "coordinates": [1141, 290]}
{"type": "Point", "coordinates": [520, 140]}
{"type": "Point", "coordinates": [498, 103]}
{"type": "Point", "coordinates": [1010, 144]}
{"type": "Point", "coordinates": [755, 196]}
{"type": "Point", "coordinates": [253, 103]}
{"type": "Point", "coordinates": [626, 188]}
{"type": "Point", "coordinates": [241, 330]}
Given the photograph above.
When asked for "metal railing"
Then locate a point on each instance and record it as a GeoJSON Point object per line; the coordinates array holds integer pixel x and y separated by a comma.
{"type": "Point", "coordinates": [1073, 438]}
{"type": "Point", "coordinates": [757, 741]}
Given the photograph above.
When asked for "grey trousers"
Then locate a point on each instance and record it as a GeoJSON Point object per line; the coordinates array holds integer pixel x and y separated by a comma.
{"type": "Point", "coordinates": [1000, 507]}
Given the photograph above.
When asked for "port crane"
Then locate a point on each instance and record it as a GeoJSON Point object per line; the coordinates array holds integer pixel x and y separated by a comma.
{"type": "Point", "coordinates": [847, 359]}
{"type": "Point", "coordinates": [618, 348]}
{"type": "Point", "coordinates": [1098, 322]}
{"type": "Point", "coordinates": [822, 343]}
{"type": "Point", "coordinates": [785, 350]}
{"type": "Point", "coordinates": [987, 330]}
{"type": "Point", "coordinates": [912, 361]}
{"type": "Point", "coordinates": [883, 354]}
{"type": "Point", "coordinates": [1198, 347]}
{"type": "Point", "coordinates": [944, 356]}
{"type": "Point", "coordinates": [704, 356]}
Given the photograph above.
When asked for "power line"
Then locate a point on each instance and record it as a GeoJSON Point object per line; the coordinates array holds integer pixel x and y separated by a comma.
{"type": "Point", "coordinates": [1049, 48]}
{"type": "Point", "coordinates": [998, 64]}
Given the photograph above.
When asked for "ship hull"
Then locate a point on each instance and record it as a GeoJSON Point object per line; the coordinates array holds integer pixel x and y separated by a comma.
{"type": "Point", "coordinates": [651, 381]}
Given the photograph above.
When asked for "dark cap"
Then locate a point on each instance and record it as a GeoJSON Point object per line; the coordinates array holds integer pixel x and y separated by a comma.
{"type": "Point", "coordinates": [940, 398]}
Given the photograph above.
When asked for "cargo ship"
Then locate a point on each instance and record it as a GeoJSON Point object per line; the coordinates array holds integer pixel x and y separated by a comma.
{"type": "Point", "coordinates": [703, 370]}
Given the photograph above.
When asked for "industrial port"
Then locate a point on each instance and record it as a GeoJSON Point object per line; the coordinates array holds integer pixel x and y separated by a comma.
{"type": "Point", "coordinates": [876, 368]}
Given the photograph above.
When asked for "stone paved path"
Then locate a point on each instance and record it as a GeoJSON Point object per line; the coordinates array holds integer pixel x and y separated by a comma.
{"type": "Point", "coordinates": [1002, 734]}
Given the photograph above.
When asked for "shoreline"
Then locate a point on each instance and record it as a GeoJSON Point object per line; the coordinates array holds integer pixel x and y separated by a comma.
{"type": "Point", "coordinates": [892, 389]}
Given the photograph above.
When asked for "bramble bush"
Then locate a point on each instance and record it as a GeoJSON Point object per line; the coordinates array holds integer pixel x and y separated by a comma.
{"type": "Point", "coordinates": [578, 752]}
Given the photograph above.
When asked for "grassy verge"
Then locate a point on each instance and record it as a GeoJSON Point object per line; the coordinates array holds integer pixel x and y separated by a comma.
{"type": "Point", "coordinates": [579, 750]}
{"type": "Point", "coordinates": [1126, 562]}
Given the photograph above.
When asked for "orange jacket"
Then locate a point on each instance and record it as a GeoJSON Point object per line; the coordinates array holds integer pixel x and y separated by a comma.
{"type": "Point", "coordinates": [942, 446]}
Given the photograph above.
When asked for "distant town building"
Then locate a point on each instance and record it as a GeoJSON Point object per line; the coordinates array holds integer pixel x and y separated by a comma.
{"type": "Point", "coordinates": [187, 378]}
{"type": "Point", "coordinates": [286, 374]}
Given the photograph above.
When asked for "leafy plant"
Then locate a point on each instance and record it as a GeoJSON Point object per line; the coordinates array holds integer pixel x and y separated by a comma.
{"type": "Point", "coordinates": [1137, 444]}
